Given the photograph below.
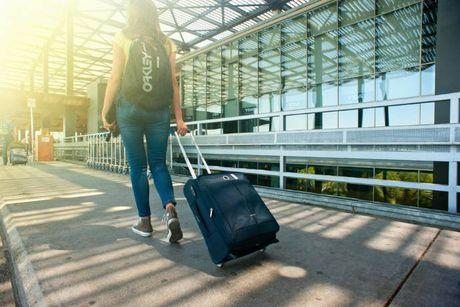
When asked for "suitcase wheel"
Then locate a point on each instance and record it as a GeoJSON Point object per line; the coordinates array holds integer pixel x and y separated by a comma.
{"type": "Point", "coordinates": [220, 265]}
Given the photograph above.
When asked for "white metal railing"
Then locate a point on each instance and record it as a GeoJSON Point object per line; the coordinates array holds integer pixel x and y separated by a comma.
{"type": "Point", "coordinates": [433, 143]}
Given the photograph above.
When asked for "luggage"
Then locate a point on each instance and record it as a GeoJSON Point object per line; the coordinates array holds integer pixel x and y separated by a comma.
{"type": "Point", "coordinates": [18, 155]}
{"type": "Point", "coordinates": [231, 215]}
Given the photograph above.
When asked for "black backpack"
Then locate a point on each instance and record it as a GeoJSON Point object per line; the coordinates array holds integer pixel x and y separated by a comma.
{"type": "Point", "coordinates": [147, 77]}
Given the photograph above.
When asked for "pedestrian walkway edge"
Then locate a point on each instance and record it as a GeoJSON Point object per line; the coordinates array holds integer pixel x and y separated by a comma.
{"type": "Point", "coordinates": [25, 280]}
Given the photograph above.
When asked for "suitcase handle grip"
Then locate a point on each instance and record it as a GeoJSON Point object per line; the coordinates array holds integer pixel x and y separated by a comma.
{"type": "Point", "coordinates": [187, 161]}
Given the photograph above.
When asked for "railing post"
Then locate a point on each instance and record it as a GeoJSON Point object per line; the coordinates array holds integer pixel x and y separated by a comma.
{"type": "Point", "coordinates": [199, 162]}
{"type": "Point", "coordinates": [452, 207]}
{"type": "Point", "coordinates": [453, 164]}
{"type": "Point", "coordinates": [454, 104]}
{"type": "Point", "coordinates": [282, 168]}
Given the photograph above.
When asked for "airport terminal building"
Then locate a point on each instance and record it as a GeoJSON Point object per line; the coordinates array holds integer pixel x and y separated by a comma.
{"type": "Point", "coordinates": [352, 99]}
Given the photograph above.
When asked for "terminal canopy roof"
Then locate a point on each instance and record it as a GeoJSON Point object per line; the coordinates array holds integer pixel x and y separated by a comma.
{"type": "Point", "coordinates": [34, 35]}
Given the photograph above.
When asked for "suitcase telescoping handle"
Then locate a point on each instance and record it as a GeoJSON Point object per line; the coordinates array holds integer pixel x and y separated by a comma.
{"type": "Point", "coordinates": [189, 165]}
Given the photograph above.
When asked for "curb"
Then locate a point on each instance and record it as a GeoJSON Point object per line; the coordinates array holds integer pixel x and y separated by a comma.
{"type": "Point", "coordinates": [426, 217]}
{"type": "Point", "coordinates": [23, 276]}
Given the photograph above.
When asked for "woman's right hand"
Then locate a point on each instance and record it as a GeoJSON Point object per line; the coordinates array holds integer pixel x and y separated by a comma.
{"type": "Point", "coordinates": [182, 128]}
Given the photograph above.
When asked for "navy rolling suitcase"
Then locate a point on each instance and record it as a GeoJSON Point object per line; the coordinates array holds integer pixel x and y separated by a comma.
{"type": "Point", "coordinates": [232, 217]}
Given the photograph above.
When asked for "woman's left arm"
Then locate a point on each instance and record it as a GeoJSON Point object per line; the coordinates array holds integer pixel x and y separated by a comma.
{"type": "Point", "coordinates": [181, 126]}
{"type": "Point", "coordinates": [113, 83]}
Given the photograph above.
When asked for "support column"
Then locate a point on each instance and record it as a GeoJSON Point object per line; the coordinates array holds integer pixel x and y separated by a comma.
{"type": "Point", "coordinates": [69, 121]}
{"type": "Point", "coordinates": [447, 63]}
{"type": "Point", "coordinates": [45, 69]}
{"type": "Point", "coordinates": [69, 47]}
{"type": "Point", "coordinates": [32, 82]}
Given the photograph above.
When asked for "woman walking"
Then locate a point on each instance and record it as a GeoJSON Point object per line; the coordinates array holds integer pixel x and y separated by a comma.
{"type": "Point", "coordinates": [144, 88]}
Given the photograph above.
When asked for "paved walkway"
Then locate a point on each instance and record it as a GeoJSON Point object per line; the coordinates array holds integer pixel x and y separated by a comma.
{"type": "Point", "coordinates": [6, 290]}
{"type": "Point", "coordinates": [74, 224]}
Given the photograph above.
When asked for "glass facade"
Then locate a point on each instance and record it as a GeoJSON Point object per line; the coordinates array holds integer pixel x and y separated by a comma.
{"type": "Point", "coordinates": [390, 195]}
{"type": "Point", "coordinates": [341, 53]}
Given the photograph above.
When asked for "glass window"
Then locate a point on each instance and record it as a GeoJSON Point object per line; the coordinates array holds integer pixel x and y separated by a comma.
{"type": "Point", "coordinates": [399, 28]}
{"type": "Point", "coordinates": [358, 191]}
{"type": "Point", "coordinates": [294, 65]}
{"type": "Point", "coordinates": [294, 30]}
{"type": "Point", "coordinates": [381, 117]}
{"type": "Point", "coordinates": [426, 176]}
{"type": "Point", "coordinates": [269, 103]}
{"type": "Point", "coordinates": [428, 79]}
{"type": "Point", "coordinates": [396, 175]}
{"type": "Point", "coordinates": [296, 184]}
{"type": "Point", "coordinates": [213, 128]}
{"type": "Point", "coordinates": [270, 38]}
{"type": "Point", "coordinates": [322, 19]}
{"type": "Point", "coordinates": [322, 187]}
{"type": "Point", "coordinates": [296, 168]}
{"type": "Point", "coordinates": [230, 71]}
{"type": "Point", "coordinates": [247, 164]}
{"type": "Point", "coordinates": [322, 95]}
{"type": "Point", "coordinates": [425, 199]}
{"type": "Point", "coordinates": [248, 125]}
{"type": "Point", "coordinates": [384, 6]}
{"type": "Point", "coordinates": [366, 118]}
{"type": "Point", "coordinates": [295, 122]}
{"type": "Point", "coordinates": [348, 119]}
{"type": "Point", "coordinates": [214, 76]}
{"type": "Point", "coordinates": [429, 31]}
{"type": "Point", "coordinates": [230, 108]}
{"type": "Point", "coordinates": [269, 70]}
{"type": "Point", "coordinates": [322, 169]}
{"type": "Point", "coordinates": [268, 181]}
{"type": "Point", "coordinates": [188, 114]}
{"type": "Point", "coordinates": [269, 124]}
{"type": "Point", "coordinates": [404, 115]}
{"type": "Point", "coordinates": [322, 58]}
{"type": "Point", "coordinates": [358, 172]}
{"type": "Point", "coordinates": [356, 90]}
{"type": "Point", "coordinates": [351, 11]}
{"type": "Point", "coordinates": [230, 127]}
{"type": "Point", "coordinates": [294, 99]}
{"type": "Point", "coordinates": [193, 129]}
{"type": "Point", "coordinates": [199, 80]}
{"type": "Point", "coordinates": [200, 112]}
{"type": "Point", "coordinates": [356, 50]}
{"type": "Point", "coordinates": [187, 83]}
{"type": "Point", "coordinates": [398, 84]}
{"type": "Point", "coordinates": [230, 164]}
{"type": "Point", "coordinates": [248, 105]}
{"type": "Point", "coordinates": [249, 65]}
{"type": "Point", "coordinates": [214, 162]}
{"type": "Point", "coordinates": [393, 196]}
{"type": "Point", "coordinates": [214, 111]}
{"type": "Point", "coordinates": [330, 120]}
{"type": "Point", "coordinates": [427, 113]}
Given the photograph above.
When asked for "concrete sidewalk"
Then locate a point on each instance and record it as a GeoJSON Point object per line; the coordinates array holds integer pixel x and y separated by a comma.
{"type": "Point", "coordinates": [6, 290]}
{"type": "Point", "coordinates": [73, 227]}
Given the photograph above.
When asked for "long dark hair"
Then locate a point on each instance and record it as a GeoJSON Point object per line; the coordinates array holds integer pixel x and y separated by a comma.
{"type": "Point", "coordinates": [143, 20]}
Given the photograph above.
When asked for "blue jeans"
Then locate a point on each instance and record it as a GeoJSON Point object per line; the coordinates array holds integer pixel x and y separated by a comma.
{"type": "Point", "coordinates": [135, 123]}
